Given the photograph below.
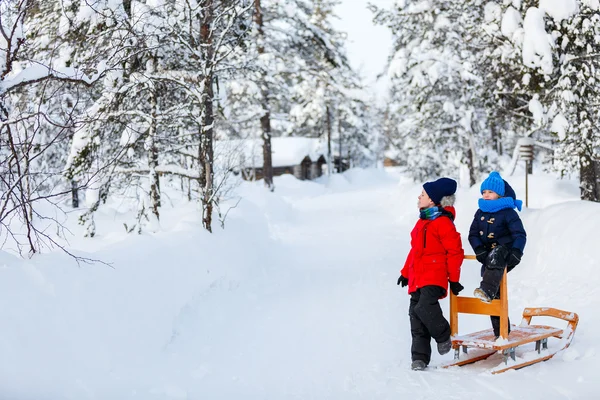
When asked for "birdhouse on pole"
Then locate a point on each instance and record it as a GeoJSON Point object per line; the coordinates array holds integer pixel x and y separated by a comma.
{"type": "Point", "coordinates": [525, 150]}
{"type": "Point", "coordinates": [526, 154]}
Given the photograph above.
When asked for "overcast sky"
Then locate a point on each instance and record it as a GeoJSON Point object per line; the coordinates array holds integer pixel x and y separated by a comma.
{"type": "Point", "coordinates": [368, 45]}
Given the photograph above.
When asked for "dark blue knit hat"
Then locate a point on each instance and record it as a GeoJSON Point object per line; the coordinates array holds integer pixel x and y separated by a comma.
{"type": "Point", "coordinates": [440, 188]}
{"type": "Point", "coordinates": [495, 183]}
{"type": "Point", "coordinates": [508, 191]}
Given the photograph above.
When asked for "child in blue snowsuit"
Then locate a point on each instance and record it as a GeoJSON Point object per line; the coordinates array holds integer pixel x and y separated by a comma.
{"type": "Point", "coordinates": [497, 237]}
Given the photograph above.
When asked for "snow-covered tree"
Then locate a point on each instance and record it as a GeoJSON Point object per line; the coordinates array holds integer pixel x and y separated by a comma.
{"type": "Point", "coordinates": [547, 78]}
{"type": "Point", "coordinates": [574, 97]}
{"type": "Point", "coordinates": [329, 99]}
{"type": "Point", "coordinates": [38, 100]}
{"type": "Point", "coordinates": [437, 97]}
{"type": "Point", "coordinates": [157, 104]}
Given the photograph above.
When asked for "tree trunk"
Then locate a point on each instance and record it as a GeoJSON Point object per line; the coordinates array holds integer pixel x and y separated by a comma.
{"type": "Point", "coordinates": [472, 157]}
{"type": "Point", "coordinates": [329, 140]}
{"type": "Point", "coordinates": [597, 170]}
{"type": "Point", "coordinates": [265, 120]}
{"type": "Point", "coordinates": [127, 7]}
{"type": "Point", "coordinates": [26, 151]}
{"type": "Point", "coordinates": [340, 157]}
{"type": "Point", "coordinates": [472, 178]}
{"type": "Point", "coordinates": [74, 194]}
{"type": "Point", "coordinates": [496, 139]}
{"type": "Point", "coordinates": [153, 158]}
{"type": "Point", "coordinates": [588, 177]}
{"type": "Point", "coordinates": [206, 159]}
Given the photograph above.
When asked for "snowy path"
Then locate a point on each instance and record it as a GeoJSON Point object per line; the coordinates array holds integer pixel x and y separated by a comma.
{"type": "Point", "coordinates": [333, 324]}
{"type": "Point", "coordinates": [312, 313]}
{"type": "Point", "coordinates": [311, 326]}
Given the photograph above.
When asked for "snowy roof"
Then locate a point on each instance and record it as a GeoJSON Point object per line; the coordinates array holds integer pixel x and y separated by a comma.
{"type": "Point", "coordinates": [392, 152]}
{"type": "Point", "coordinates": [286, 151]}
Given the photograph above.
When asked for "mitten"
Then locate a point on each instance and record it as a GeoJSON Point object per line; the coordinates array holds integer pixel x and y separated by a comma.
{"type": "Point", "coordinates": [402, 281]}
{"type": "Point", "coordinates": [456, 288]}
{"type": "Point", "coordinates": [514, 258]}
{"type": "Point", "coordinates": [481, 254]}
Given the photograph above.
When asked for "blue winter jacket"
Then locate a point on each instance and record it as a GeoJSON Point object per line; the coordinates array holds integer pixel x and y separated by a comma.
{"type": "Point", "coordinates": [501, 227]}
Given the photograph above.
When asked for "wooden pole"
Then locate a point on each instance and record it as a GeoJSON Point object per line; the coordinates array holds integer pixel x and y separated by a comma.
{"type": "Point", "coordinates": [453, 314]}
{"type": "Point", "coordinates": [527, 183]}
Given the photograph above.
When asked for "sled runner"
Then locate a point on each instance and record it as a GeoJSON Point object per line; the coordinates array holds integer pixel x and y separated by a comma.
{"type": "Point", "coordinates": [482, 345]}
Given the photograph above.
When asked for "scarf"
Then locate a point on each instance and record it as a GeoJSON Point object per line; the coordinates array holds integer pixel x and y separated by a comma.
{"type": "Point", "coordinates": [499, 204]}
{"type": "Point", "coordinates": [430, 213]}
{"type": "Point", "coordinates": [434, 212]}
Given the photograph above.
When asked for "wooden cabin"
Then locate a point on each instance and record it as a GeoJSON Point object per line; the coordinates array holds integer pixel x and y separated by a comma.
{"type": "Point", "coordinates": [305, 158]}
{"type": "Point", "coordinates": [390, 162]}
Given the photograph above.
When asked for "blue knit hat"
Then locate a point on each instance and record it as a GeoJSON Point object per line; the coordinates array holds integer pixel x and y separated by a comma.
{"type": "Point", "coordinates": [495, 183]}
{"type": "Point", "coordinates": [440, 188]}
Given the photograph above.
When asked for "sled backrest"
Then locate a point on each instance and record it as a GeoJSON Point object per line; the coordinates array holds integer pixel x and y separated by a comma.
{"type": "Point", "coordinates": [472, 305]}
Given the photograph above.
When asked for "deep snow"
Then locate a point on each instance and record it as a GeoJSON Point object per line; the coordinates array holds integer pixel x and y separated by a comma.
{"type": "Point", "coordinates": [295, 299]}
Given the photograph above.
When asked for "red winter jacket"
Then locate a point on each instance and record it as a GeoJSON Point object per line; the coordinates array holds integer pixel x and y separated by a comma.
{"type": "Point", "coordinates": [436, 254]}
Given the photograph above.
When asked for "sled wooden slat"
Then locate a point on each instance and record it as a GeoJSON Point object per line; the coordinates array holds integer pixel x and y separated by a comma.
{"type": "Point", "coordinates": [528, 313]}
{"type": "Point", "coordinates": [473, 356]}
{"type": "Point", "coordinates": [471, 305]}
{"type": "Point", "coordinates": [519, 335]}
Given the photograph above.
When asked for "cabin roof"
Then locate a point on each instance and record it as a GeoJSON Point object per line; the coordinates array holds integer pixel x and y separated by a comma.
{"type": "Point", "coordinates": [286, 151]}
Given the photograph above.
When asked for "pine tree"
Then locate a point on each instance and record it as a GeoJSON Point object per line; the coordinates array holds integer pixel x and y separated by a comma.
{"type": "Point", "coordinates": [437, 98]}
{"type": "Point", "coordinates": [517, 81]}
{"type": "Point", "coordinates": [549, 85]}
{"type": "Point", "coordinates": [574, 98]}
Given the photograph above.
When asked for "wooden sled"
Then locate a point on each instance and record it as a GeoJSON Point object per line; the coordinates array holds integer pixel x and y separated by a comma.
{"type": "Point", "coordinates": [484, 344]}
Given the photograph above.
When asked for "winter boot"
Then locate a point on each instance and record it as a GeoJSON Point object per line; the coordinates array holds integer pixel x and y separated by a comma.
{"type": "Point", "coordinates": [418, 365]}
{"type": "Point", "coordinates": [482, 295]}
{"type": "Point", "coordinates": [444, 347]}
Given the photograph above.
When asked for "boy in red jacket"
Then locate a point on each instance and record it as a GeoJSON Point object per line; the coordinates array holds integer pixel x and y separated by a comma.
{"type": "Point", "coordinates": [435, 258]}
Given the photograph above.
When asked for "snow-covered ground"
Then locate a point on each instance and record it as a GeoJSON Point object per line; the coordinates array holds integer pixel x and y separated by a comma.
{"type": "Point", "coordinates": [295, 299]}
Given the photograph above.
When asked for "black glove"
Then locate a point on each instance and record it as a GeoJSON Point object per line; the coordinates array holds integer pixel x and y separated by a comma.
{"type": "Point", "coordinates": [514, 258]}
{"type": "Point", "coordinates": [456, 288]}
{"type": "Point", "coordinates": [402, 281]}
{"type": "Point", "coordinates": [481, 254]}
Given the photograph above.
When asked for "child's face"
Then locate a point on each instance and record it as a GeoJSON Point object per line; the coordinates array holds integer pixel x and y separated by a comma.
{"type": "Point", "coordinates": [489, 195]}
{"type": "Point", "coordinates": [424, 200]}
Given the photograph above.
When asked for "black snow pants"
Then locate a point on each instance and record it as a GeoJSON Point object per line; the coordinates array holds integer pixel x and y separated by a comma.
{"type": "Point", "coordinates": [426, 321]}
{"type": "Point", "coordinates": [490, 284]}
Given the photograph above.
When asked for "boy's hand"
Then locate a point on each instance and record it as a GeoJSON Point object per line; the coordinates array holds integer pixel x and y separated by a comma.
{"type": "Point", "coordinates": [402, 281]}
{"type": "Point", "coordinates": [514, 258]}
{"type": "Point", "coordinates": [456, 288]}
{"type": "Point", "coordinates": [481, 254]}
